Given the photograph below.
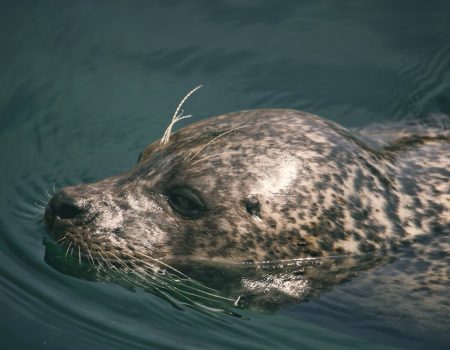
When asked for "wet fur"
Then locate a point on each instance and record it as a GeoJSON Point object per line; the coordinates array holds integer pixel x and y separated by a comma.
{"type": "Point", "coordinates": [316, 189]}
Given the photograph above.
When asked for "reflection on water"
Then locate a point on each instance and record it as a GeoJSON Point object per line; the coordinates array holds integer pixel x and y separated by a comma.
{"type": "Point", "coordinates": [213, 287]}
{"type": "Point", "coordinates": [86, 85]}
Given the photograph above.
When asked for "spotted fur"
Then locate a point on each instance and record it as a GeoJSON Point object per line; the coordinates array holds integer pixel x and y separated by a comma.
{"type": "Point", "coordinates": [276, 184]}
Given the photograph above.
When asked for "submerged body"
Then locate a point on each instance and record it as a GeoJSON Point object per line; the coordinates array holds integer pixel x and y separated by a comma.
{"type": "Point", "coordinates": [266, 185]}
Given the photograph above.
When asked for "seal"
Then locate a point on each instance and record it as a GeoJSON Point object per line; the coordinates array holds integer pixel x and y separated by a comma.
{"type": "Point", "coordinates": [263, 185]}
{"type": "Point", "coordinates": [260, 185]}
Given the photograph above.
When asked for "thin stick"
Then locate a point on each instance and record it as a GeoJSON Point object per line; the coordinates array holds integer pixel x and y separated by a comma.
{"type": "Point", "coordinates": [177, 116]}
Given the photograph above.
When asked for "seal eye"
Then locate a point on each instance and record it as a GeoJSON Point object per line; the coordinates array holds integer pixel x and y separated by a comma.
{"type": "Point", "coordinates": [185, 202]}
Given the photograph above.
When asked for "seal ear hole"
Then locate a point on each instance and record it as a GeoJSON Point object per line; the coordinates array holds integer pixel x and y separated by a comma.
{"type": "Point", "coordinates": [185, 202]}
{"type": "Point", "coordinates": [253, 206]}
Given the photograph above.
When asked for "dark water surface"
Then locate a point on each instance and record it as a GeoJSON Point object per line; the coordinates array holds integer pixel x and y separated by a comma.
{"type": "Point", "coordinates": [85, 85]}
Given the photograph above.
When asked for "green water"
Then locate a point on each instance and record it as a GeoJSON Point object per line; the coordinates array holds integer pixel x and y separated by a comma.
{"type": "Point", "coordinates": [85, 85]}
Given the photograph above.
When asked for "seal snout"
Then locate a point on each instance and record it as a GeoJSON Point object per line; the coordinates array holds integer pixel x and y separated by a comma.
{"type": "Point", "coordinates": [62, 206]}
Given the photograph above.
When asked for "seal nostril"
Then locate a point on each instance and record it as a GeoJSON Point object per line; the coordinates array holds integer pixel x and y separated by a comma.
{"type": "Point", "coordinates": [65, 204]}
{"type": "Point", "coordinates": [68, 211]}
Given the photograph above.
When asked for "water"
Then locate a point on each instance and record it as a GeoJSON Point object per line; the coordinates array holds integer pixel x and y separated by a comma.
{"type": "Point", "coordinates": [86, 85]}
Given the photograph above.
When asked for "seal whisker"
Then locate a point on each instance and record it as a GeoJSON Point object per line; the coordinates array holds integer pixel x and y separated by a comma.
{"type": "Point", "coordinates": [177, 117]}
{"type": "Point", "coordinates": [166, 280]}
{"type": "Point", "coordinates": [169, 267]}
{"type": "Point", "coordinates": [212, 141]}
{"type": "Point", "coordinates": [67, 251]}
{"type": "Point", "coordinates": [42, 201]}
{"type": "Point", "coordinates": [90, 255]}
{"type": "Point", "coordinates": [157, 290]}
{"type": "Point", "coordinates": [62, 239]}
{"type": "Point", "coordinates": [170, 279]}
{"type": "Point", "coordinates": [104, 261]}
{"type": "Point", "coordinates": [39, 206]}
{"type": "Point", "coordinates": [217, 296]}
{"type": "Point", "coordinates": [118, 259]}
{"type": "Point", "coordinates": [185, 300]}
{"type": "Point", "coordinates": [101, 256]}
{"type": "Point", "coordinates": [123, 274]}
